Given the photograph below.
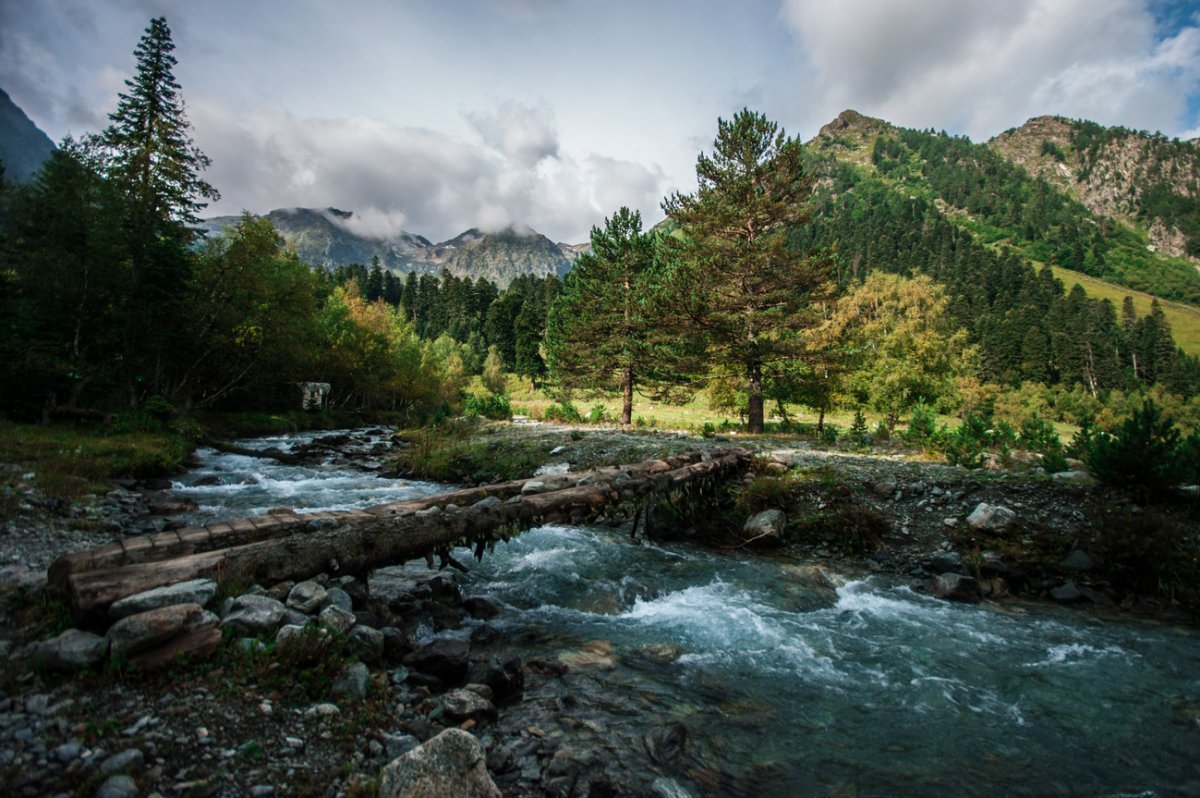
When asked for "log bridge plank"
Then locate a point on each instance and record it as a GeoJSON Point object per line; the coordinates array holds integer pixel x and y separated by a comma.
{"type": "Point", "coordinates": [281, 546]}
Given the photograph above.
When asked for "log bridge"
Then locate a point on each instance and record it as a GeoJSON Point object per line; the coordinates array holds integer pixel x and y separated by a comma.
{"type": "Point", "coordinates": [284, 545]}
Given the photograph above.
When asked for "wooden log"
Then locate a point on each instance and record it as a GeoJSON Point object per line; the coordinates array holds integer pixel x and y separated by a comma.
{"type": "Point", "coordinates": [359, 542]}
{"type": "Point", "coordinates": [194, 540]}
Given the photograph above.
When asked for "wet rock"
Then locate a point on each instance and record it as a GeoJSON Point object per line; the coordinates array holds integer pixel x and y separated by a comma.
{"type": "Point", "coordinates": [1066, 593]}
{"type": "Point", "coordinates": [462, 704]}
{"type": "Point", "coordinates": [254, 616]}
{"type": "Point", "coordinates": [195, 591]}
{"type": "Point", "coordinates": [765, 528]}
{"type": "Point", "coordinates": [666, 745]}
{"type": "Point", "coordinates": [452, 763]}
{"type": "Point", "coordinates": [992, 564]}
{"type": "Point", "coordinates": [1077, 560]}
{"type": "Point", "coordinates": [366, 643]}
{"type": "Point", "coordinates": [395, 644]}
{"type": "Point", "coordinates": [71, 651]}
{"type": "Point", "coordinates": [481, 607]}
{"type": "Point", "coordinates": [353, 681]}
{"type": "Point", "coordinates": [307, 596]}
{"type": "Point", "coordinates": [444, 658]}
{"type": "Point", "coordinates": [173, 507]}
{"type": "Point", "coordinates": [208, 481]}
{"type": "Point", "coordinates": [145, 630]}
{"type": "Point", "coordinates": [956, 587]}
{"type": "Point", "coordinates": [991, 517]}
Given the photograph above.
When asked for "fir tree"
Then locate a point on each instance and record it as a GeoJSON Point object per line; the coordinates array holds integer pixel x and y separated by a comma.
{"type": "Point", "coordinates": [734, 276]}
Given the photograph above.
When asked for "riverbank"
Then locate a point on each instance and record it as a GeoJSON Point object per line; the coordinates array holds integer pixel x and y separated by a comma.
{"type": "Point", "coordinates": [252, 721]}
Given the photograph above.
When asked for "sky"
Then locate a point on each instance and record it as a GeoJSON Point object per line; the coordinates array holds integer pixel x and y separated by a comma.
{"type": "Point", "coordinates": [433, 116]}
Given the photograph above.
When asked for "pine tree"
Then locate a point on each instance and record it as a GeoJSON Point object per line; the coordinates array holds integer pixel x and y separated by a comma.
{"type": "Point", "coordinates": [603, 331]}
{"type": "Point", "coordinates": [734, 276]}
{"type": "Point", "coordinates": [156, 165]}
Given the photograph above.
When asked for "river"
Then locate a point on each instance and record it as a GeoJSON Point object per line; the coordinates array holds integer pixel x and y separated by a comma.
{"type": "Point", "coordinates": [791, 686]}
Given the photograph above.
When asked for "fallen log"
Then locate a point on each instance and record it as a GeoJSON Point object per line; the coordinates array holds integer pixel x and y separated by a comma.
{"type": "Point", "coordinates": [357, 542]}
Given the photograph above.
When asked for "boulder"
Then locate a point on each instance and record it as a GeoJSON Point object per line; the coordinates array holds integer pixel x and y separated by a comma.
{"type": "Point", "coordinates": [71, 651]}
{"type": "Point", "coordinates": [366, 643]}
{"type": "Point", "coordinates": [336, 619]}
{"type": "Point", "coordinates": [336, 597]}
{"type": "Point", "coordinates": [956, 587]}
{"type": "Point", "coordinates": [1077, 560]}
{"type": "Point", "coordinates": [944, 562]}
{"type": "Point", "coordinates": [991, 517]}
{"type": "Point", "coordinates": [353, 681]}
{"type": "Point", "coordinates": [307, 596]}
{"type": "Point", "coordinates": [452, 763]}
{"type": "Point", "coordinates": [117, 787]}
{"type": "Point", "coordinates": [765, 527]}
{"type": "Point", "coordinates": [195, 591]}
{"type": "Point", "coordinates": [254, 616]}
{"type": "Point", "coordinates": [146, 630]}
{"type": "Point", "coordinates": [1066, 593]}
{"type": "Point", "coordinates": [444, 658]}
{"type": "Point", "coordinates": [481, 607]}
{"type": "Point", "coordinates": [128, 761]}
{"type": "Point", "coordinates": [462, 704]}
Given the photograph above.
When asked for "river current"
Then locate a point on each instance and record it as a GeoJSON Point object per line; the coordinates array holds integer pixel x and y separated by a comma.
{"type": "Point", "coordinates": [792, 684]}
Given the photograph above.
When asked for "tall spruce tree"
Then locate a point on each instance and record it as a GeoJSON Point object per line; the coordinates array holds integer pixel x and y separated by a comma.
{"type": "Point", "coordinates": [602, 332]}
{"type": "Point", "coordinates": [734, 276]}
{"type": "Point", "coordinates": [154, 161]}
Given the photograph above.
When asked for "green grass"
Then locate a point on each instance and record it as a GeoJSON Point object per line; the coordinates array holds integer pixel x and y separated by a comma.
{"type": "Point", "coordinates": [1184, 319]}
{"type": "Point", "coordinates": [70, 461]}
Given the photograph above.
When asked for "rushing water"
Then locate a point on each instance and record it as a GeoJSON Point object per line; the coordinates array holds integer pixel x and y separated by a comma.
{"type": "Point", "coordinates": [789, 686]}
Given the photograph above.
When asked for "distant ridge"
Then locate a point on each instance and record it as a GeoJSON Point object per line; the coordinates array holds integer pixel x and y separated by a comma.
{"type": "Point", "coordinates": [23, 146]}
{"type": "Point", "coordinates": [327, 238]}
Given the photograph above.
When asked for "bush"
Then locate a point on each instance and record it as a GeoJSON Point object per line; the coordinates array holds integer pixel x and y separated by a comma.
{"type": "Point", "coordinates": [829, 434]}
{"type": "Point", "coordinates": [922, 426]}
{"type": "Point", "coordinates": [598, 415]}
{"type": "Point", "coordinates": [563, 412]}
{"type": "Point", "coordinates": [858, 429]}
{"type": "Point", "coordinates": [1144, 452]}
{"type": "Point", "coordinates": [1038, 435]}
{"type": "Point", "coordinates": [493, 407]}
{"type": "Point", "coordinates": [967, 442]}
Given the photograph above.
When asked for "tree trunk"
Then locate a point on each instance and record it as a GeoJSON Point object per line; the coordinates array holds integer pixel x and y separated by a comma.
{"type": "Point", "coordinates": [754, 404]}
{"type": "Point", "coordinates": [627, 405]}
{"type": "Point", "coordinates": [821, 420]}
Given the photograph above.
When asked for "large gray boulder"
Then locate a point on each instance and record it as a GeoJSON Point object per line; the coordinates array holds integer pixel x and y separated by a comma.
{"type": "Point", "coordinates": [71, 651]}
{"type": "Point", "coordinates": [254, 616]}
{"type": "Point", "coordinates": [765, 528]}
{"type": "Point", "coordinates": [956, 587]}
{"type": "Point", "coordinates": [307, 597]}
{"type": "Point", "coordinates": [453, 763]}
{"type": "Point", "coordinates": [145, 630]}
{"type": "Point", "coordinates": [991, 517]}
{"type": "Point", "coordinates": [195, 591]}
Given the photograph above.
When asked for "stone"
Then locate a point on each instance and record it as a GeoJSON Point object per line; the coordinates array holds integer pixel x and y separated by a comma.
{"type": "Point", "coordinates": [396, 745]}
{"type": "Point", "coordinates": [1077, 560]}
{"type": "Point", "coordinates": [356, 589]}
{"type": "Point", "coordinates": [307, 596]}
{"type": "Point", "coordinates": [1072, 477]}
{"type": "Point", "coordinates": [71, 651]}
{"type": "Point", "coordinates": [352, 682]}
{"type": "Point", "coordinates": [117, 787]}
{"type": "Point", "coordinates": [462, 704]}
{"type": "Point", "coordinates": [445, 658]}
{"type": "Point", "coordinates": [956, 587]}
{"type": "Point", "coordinates": [336, 619]}
{"type": "Point", "coordinates": [336, 597]}
{"type": "Point", "coordinates": [481, 607]}
{"type": "Point", "coordinates": [884, 488]}
{"type": "Point", "coordinates": [254, 616]}
{"type": "Point", "coordinates": [1066, 593]}
{"type": "Point", "coordinates": [667, 744]}
{"type": "Point", "coordinates": [452, 763]}
{"type": "Point", "coordinates": [195, 591]}
{"type": "Point", "coordinates": [146, 630]}
{"type": "Point", "coordinates": [991, 517]}
{"type": "Point", "coordinates": [533, 486]}
{"type": "Point", "coordinates": [766, 527]}
{"type": "Point", "coordinates": [366, 643]}
{"type": "Point", "coordinates": [128, 761]}
{"type": "Point", "coordinates": [944, 562]}
{"type": "Point", "coordinates": [488, 501]}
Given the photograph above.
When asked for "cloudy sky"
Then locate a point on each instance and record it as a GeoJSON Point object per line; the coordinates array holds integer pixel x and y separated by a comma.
{"type": "Point", "coordinates": [438, 115]}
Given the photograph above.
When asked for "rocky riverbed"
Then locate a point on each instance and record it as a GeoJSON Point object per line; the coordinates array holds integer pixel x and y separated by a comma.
{"type": "Point", "coordinates": [315, 687]}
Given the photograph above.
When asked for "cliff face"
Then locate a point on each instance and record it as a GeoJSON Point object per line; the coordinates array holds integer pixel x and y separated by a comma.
{"type": "Point", "coordinates": [1134, 176]}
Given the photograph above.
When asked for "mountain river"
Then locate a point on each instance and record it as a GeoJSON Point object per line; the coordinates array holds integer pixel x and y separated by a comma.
{"type": "Point", "coordinates": [789, 685]}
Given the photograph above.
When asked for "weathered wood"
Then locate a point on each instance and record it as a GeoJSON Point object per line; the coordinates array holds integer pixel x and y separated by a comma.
{"type": "Point", "coordinates": [357, 542]}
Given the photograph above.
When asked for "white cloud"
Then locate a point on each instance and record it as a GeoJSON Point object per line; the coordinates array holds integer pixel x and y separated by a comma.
{"type": "Point", "coordinates": [525, 134]}
{"type": "Point", "coordinates": [394, 177]}
{"type": "Point", "coordinates": [982, 67]}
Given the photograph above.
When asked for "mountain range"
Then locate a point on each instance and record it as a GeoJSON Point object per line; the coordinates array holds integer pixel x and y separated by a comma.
{"type": "Point", "coordinates": [23, 146]}
{"type": "Point", "coordinates": [326, 237]}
